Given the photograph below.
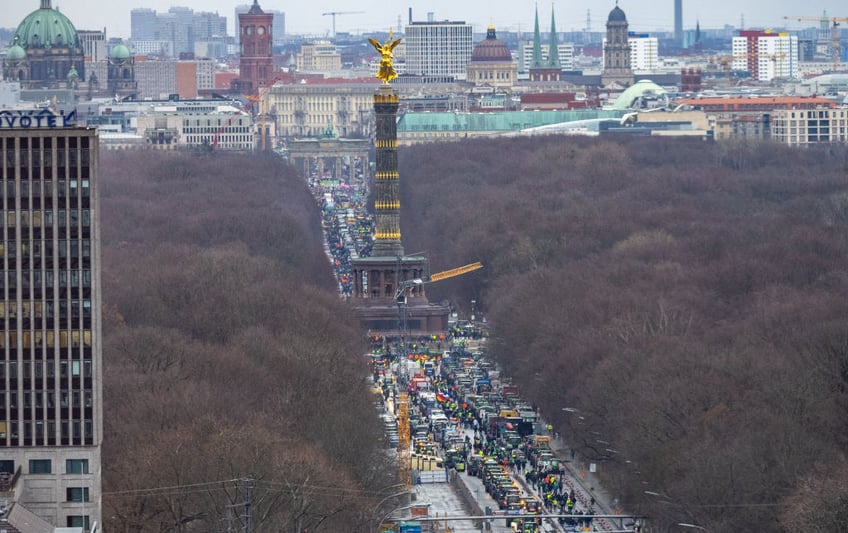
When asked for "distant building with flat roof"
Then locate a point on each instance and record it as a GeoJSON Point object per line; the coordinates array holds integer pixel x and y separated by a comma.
{"type": "Point", "coordinates": [800, 127]}
{"type": "Point", "coordinates": [439, 49]}
{"type": "Point", "coordinates": [159, 78]}
{"type": "Point", "coordinates": [417, 128]}
{"type": "Point", "coordinates": [754, 117]}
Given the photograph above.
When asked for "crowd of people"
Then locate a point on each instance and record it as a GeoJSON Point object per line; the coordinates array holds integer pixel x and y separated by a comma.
{"type": "Point", "coordinates": [484, 427]}
{"type": "Point", "coordinates": [460, 386]}
{"type": "Point", "coordinates": [347, 225]}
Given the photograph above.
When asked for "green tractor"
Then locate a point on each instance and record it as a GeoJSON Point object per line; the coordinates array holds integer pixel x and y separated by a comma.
{"type": "Point", "coordinates": [455, 459]}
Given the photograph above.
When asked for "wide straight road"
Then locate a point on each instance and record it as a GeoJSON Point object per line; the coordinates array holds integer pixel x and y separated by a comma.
{"type": "Point", "coordinates": [445, 501]}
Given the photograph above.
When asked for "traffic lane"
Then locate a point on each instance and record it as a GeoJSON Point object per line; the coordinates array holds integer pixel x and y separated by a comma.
{"type": "Point", "coordinates": [524, 487]}
{"type": "Point", "coordinates": [478, 491]}
{"type": "Point", "coordinates": [443, 502]}
{"type": "Point", "coordinates": [584, 498]}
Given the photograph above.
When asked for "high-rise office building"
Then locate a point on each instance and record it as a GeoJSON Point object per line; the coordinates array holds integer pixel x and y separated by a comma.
{"type": "Point", "coordinates": [177, 26]}
{"type": "Point", "coordinates": [51, 414]}
{"type": "Point", "coordinates": [176, 32]}
{"type": "Point", "coordinates": [279, 21]}
{"type": "Point", "coordinates": [209, 26]}
{"type": "Point", "coordinates": [644, 52]}
{"type": "Point", "coordinates": [439, 49]}
{"type": "Point", "coordinates": [143, 25]}
{"type": "Point", "coordinates": [93, 44]}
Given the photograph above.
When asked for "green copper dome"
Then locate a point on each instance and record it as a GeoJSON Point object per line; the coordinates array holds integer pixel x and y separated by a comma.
{"type": "Point", "coordinates": [46, 28]}
{"type": "Point", "coordinates": [15, 53]}
{"type": "Point", "coordinates": [120, 51]}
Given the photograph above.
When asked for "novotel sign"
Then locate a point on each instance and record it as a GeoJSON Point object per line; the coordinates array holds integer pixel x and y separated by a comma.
{"type": "Point", "coordinates": [36, 119]}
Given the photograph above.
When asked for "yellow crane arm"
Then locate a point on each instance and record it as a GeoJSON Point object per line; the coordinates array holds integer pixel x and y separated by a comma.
{"type": "Point", "coordinates": [818, 19]}
{"type": "Point", "coordinates": [445, 274]}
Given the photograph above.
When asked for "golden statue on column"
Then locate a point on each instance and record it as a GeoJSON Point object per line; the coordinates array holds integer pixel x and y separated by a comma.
{"type": "Point", "coordinates": [387, 70]}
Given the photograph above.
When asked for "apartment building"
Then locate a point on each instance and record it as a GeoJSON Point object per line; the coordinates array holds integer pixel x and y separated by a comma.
{"type": "Point", "coordinates": [799, 127]}
{"type": "Point", "coordinates": [766, 54]}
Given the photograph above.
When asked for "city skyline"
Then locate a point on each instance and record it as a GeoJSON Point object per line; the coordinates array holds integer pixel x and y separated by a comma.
{"type": "Point", "coordinates": [514, 15]}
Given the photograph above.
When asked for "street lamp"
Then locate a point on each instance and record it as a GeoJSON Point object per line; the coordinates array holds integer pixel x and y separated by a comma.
{"type": "Point", "coordinates": [400, 294]}
{"type": "Point", "coordinates": [387, 487]}
{"type": "Point", "coordinates": [693, 526]}
{"type": "Point", "coordinates": [668, 500]}
{"type": "Point", "coordinates": [390, 513]}
{"type": "Point", "coordinates": [389, 497]}
{"type": "Point", "coordinates": [400, 299]}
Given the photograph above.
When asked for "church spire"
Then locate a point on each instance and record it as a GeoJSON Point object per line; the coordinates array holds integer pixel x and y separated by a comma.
{"type": "Point", "coordinates": [553, 50]}
{"type": "Point", "coordinates": [537, 44]}
{"type": "Point", "coordinates": [255, 9]}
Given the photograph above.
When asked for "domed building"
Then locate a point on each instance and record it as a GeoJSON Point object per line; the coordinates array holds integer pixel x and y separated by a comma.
{"type": "Point", "coordinates": [121, 72]}
{"type": "Point", "coordinates": [617, 69]}
{"type": "Point", "coordinates": [45, 51]}
{"type": "Point", "coordinates": [491, 63]}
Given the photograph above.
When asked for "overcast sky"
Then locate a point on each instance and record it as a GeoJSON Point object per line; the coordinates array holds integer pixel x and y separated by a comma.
{"type": "Point", "coordinates": [305, 17]}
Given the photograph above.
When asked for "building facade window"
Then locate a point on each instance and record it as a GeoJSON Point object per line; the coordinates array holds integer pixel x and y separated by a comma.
{"type": "Point", "coordinates": [78, 521]}
{"type": "Point", "coordinates": [40, 466]}
{"type": "Point", "coordinates": [77, 494]}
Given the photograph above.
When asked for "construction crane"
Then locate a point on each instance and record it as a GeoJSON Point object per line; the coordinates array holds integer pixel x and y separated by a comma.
{"type": "Point", "coordinates": [241, 112]}
{"type": "Point", "coordinates": [334, 13]}
{"type": "Point", "coordinates": [834, 33]}
{"type": "Point", "coordinates": [261, 96]}
{"type": "Point", "coordinates": [404, 447]}
{"type": "Point", "coordinates": [777, 72]}
{"type": "Point", "coordinates": [402, 406]}
{"type": "Point", "coordinates": [403, 292]}
{"type": "Point", "coordinates": [726, 61]}
{"type": "Point", "coordinates": [404, 286]}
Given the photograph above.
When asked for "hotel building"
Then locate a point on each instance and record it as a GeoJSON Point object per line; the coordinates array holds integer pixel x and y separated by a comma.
{"type": "Point", "coordinates": [51, 414]}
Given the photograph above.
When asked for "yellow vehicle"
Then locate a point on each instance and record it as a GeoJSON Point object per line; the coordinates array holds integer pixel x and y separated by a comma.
{"type": "Point", "coordinates": [542, 440]}
{"type": "Point", "coordinates": [427, 462]}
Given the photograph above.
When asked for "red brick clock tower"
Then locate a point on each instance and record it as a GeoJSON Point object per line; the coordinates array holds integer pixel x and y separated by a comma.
{"type": "Point", "coordinates": [256, 66]}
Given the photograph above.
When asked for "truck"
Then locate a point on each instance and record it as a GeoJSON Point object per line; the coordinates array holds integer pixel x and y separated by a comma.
{"type": "Point", "coordinates": [510, 391]}
{"type": "Point", "coordinates": [409, 527]}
